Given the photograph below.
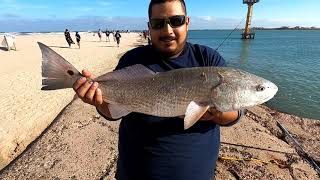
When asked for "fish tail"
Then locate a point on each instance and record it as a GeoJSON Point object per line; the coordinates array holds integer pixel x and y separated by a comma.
{"type": "Point", "coordinates": [57, 73]}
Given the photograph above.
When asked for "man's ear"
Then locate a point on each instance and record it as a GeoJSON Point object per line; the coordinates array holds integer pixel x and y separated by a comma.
{"type": "Point", "coordinates": [149, 26]}
{"type": "Point", "coordinates": [188, 22]}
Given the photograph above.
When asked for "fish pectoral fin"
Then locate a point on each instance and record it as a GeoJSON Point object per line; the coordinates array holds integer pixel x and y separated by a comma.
{"type": "Point", "coordinates": [193, 113]}
{"type": "Point", "coordinates": [117, 111]}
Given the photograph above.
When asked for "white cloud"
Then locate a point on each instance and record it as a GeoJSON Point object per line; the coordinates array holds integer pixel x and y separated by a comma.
{"type": "Point", "coordinates": [83, 9]}
{"type": "Point", "coordinates": [85, 23]}
{"type": "Point", "coordinates": [206, 18]}
{"type": "Point", "coordinates": [12, 5]}
{"type": "Point", "coordinates": [271, 23]}
{"type": "Point", "coordinates": [10, 15]}
{"type": "Point", "coordinates": [7, 1]}
{"type": "Point", "coordinates": [78, 24]}
{"type": "Point", "coordinates": [105, 3]}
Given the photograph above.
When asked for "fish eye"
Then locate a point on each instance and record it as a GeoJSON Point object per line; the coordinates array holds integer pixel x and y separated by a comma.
{"type": "Point", "coordinates": [260, 88]}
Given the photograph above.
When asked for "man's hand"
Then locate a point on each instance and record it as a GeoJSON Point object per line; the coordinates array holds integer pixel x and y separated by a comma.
{"type": "Point", "coordinates": [221, 118]}
{"type": "Point", "coordinates": [87, 90]}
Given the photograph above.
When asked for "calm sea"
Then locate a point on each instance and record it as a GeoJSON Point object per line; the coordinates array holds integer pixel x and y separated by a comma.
{"type": "Point", "coordinates": [290, 59]}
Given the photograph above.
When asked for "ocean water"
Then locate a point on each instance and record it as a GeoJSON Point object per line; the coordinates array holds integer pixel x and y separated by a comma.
{"type": "Point", "coordinates": [290, 59]}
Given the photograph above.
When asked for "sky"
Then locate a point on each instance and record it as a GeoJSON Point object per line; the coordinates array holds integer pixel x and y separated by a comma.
{"type": "Point", "coordinates": [84, 15]}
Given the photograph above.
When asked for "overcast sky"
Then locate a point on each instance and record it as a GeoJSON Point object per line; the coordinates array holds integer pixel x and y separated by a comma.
{"type": "Point", "coordinates": [84, 15]}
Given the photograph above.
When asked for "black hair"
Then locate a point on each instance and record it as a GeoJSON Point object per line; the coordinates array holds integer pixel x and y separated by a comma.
{"type": "Point", "coordinates": [154, 2]}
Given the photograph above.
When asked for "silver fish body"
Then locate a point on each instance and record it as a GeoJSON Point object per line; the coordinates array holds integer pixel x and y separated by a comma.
{"type": "Point", "coordinates": [168, 94]}
{"type": "Point", "coordinates": [164, 94]}
{"type": "Point", "coordinates": [187, 91]}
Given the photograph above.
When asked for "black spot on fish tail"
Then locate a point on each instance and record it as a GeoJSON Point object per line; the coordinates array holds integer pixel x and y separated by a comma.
{"type": "Point", "coordinates": [70, 72]}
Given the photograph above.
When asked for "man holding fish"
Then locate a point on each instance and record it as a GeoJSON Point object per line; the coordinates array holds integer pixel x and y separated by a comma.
{"type": "Point", "coordinates": [148, 147]}
{"type": "Point", "coordinates": [170, 103]}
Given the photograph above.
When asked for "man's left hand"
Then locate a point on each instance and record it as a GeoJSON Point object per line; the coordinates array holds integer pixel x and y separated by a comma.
{"type": "Point", "coordinates": [221, 118]}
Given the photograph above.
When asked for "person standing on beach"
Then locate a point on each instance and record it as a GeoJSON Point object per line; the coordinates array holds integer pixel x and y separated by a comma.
{"type": "Point", "coordinates": [153, 147]}
{"type": "Point", "coordinates": [100, 34]}
{"type": "Point", "coordinates": [68, 37]}
{"type": "Point", "coordinates": [78, 38]}
{"type": "Point", "coordinates": [117, 36]}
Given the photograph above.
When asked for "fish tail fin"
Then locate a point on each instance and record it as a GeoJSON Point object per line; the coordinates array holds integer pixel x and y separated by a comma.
{"type": "Point", "coordinates": [57, 73]}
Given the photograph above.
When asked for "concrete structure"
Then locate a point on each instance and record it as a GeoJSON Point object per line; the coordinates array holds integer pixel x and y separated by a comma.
{"type": "Point", "coordinates": [246, 33]}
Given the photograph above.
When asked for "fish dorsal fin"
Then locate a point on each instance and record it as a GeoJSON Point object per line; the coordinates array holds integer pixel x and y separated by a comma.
{"type": "Point", "coordinates": [117, 111]}
{"type": "Point", "coordinates": [131, 72]}
{"type": "Point", "coordinates": [193, 113]}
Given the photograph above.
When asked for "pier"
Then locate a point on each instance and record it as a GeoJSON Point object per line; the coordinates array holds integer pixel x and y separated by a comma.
{"type": "Point", "coordinates": [246, 33]}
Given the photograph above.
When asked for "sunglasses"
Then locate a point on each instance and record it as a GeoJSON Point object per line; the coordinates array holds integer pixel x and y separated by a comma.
{"type": "Point", "coordinates": [173, 21]}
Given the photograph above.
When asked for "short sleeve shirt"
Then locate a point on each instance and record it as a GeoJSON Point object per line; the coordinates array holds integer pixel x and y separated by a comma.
{"type": "Point", "coordinates": [155, 148]}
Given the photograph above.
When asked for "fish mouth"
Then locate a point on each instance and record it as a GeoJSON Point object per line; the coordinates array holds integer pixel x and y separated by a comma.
{"type": "Point", "coordinates": [267, 99]}
{"type": "Point", "coordinates": [272, 88]}
{"type": "Point", "coordinates": [270, 97]}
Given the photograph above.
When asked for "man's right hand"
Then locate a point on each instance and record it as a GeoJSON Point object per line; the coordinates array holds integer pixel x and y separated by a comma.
{"type": "Point", "coordinates": [88, 91]}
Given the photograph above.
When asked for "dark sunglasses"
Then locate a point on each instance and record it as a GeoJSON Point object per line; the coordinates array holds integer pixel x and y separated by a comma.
{"type": "Point", "coordinates": [174, 21]}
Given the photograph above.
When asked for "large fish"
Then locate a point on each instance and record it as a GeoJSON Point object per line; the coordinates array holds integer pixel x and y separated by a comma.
{"type": "Point", "coordinates": [187, 91]}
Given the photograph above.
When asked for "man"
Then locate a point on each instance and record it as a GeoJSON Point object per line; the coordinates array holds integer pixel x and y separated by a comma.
{"type": "Point", "coordinates": [107, 35]}
{"type": "Point", "coordinates": [100, 34]}
{"type": "Point", "coordinates": [68, 37]}
{"type": "Point", "coordinates": [117, 36]}
{"type": "Point", "coordinates": [156, 147]}
{"type": "Point", "coordinates": [78, 38]}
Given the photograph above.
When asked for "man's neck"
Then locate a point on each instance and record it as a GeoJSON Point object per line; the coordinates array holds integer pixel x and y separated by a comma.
{"type": "Point", "coordinates": [177, 54]}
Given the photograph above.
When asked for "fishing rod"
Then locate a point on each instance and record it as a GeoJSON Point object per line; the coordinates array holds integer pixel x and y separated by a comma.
{"type": "Point", "coordinates": [229, 34]}
{"type": "Point", "coordinates": [300, 149]}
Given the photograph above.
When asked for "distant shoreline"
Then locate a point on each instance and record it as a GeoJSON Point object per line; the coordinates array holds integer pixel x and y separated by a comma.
{"type": "Point", "coordinates": [287, 28]}
{"type": "Point", "coordinates": [253, 28]}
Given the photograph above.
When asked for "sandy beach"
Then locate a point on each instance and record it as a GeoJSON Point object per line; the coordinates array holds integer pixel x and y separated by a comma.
{"type": "Point", "coordinates": [26, 110]}
{"type": "Point", "coordinates": [77, 143]}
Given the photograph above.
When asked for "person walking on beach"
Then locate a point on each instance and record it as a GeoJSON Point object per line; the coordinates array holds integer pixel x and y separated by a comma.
{"type": "Point", "coordinates": [100, 34]}
{"type": "Point", "coordinates": [107, 35]}
{"type": "Point", "coordinates": [78, 38]}
{"type": "Point", "coordinates": [117, 36]}
{"type": "Point", "coordinates": [68, 37]}
{"type": "Point", "coordinates": [114, 37]}
{"type": "Point", "coordinates": [153, 147]}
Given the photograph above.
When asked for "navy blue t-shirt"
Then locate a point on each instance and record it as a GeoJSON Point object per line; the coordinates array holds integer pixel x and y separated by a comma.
{"type": "Point", "coordinates": [158, 148]}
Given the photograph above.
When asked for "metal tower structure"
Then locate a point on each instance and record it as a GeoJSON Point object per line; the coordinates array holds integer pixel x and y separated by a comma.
{"type": "Point", "coordinates": [246, 33]}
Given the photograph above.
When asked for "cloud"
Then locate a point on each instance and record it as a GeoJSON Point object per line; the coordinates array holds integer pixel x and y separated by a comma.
{"type": "Point", "coordinates": [271, 23]}
{"type": "Point", "coordinates": [210, 22]}
{"type": "Point", "coordinates": [10, 15]}
{"type": "Point", "coordinates": [12, 5]}
{"type": "Point", "coordinates": [77, 24]}
{"type": "Point", "coordinates": [7, 1]}
{"type": "Point", "coordinates": [105, 3]}
{"type": "Point", "coordinates": [206, 18]}
{"type": "Point", "coordinates": [82, 9]}
{"type": "Point", "coordinates": [85, 23]}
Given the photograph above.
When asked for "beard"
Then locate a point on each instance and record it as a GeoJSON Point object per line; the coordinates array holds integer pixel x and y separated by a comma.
{"type": "Point", "coordinates": [169, 47]}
